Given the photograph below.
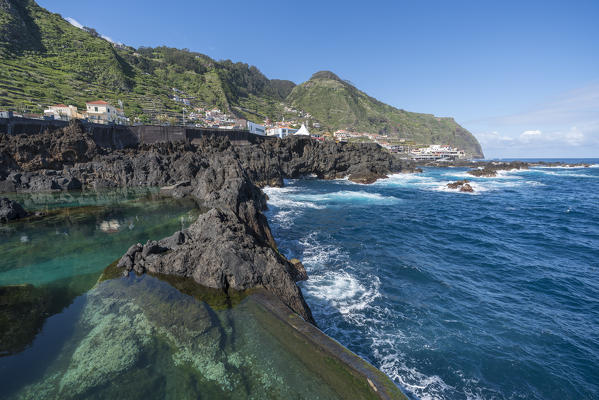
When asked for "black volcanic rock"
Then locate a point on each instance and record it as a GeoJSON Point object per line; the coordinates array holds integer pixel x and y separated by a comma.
{"type": "Point", "coordinates": [218, 251]}
{"type": "Point", "coordinates": [48, 150]}
{"type": "Point", "coordinates": [10, 210]}
{"type": "Point", "coordinates": [466, 188]}
{"type": "Point", "coordinates": [457, 184]}
{"type": "Point", "coordinates": [230, 246]}
{"type": "Point", "coordinates": [490, 169]}
{"type": "Point", "coordinates": [293, 157]}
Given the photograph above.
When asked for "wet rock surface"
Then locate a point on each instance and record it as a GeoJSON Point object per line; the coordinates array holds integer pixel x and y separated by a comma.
{"type": "Point", "coordinates": [10, 210]}
{"type": "Point", "coordinates": [491, 169]}
{"type": "Point", "coordinates": [462, 186]}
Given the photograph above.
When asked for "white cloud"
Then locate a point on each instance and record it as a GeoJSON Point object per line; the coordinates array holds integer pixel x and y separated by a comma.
{"type": "Point", "coordinates": [575, 137]}
{"type": "Point", "coordinates": [493, 138]}
{"type": "Point", "coordinates": [578, 104]}
{"type": "Point", "coordinates": [528, 136]}
{"type": "Point", "coordinates": [108, 39]}
{"type": "Point", "coordinates": [567, 124]}
{"type": "Point", "coordinates": [79, 25]}
{"type": "Point", "coordinates": [74, 22]}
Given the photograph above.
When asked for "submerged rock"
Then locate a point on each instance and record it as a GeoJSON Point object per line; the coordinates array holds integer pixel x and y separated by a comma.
{"type": "Point", "coordinates": [10, 210]}
{"type": "Point", "coordinates": [140, 338]}
{"type": "Point", "coordinates": [25, 308]}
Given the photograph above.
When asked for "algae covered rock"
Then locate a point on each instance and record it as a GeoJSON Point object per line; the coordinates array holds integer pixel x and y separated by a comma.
{"type": "Point", "coordinates": [139, 337]}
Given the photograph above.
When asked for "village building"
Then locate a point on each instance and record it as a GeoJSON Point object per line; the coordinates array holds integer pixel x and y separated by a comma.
{"type": "Point", "coordinates": [256, 129]}
{"type": "Point", "coordinates": [281, 131]}
{"type": "Point", "coordinates": [101, 112]}
{"type": "Point", "coordinates": [341, 135]}
{"type": "Point", "coordinates": [437, 152]}
{"type": "Point", "coordinates": [62, 112]}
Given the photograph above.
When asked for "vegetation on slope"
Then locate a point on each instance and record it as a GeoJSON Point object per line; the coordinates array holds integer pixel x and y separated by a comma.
{"type": "Point", "coordinates": [339, 105]}
{"type": "Point", "coordinates": [46, 60]}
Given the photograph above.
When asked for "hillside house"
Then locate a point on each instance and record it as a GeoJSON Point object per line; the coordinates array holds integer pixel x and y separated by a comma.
{"type": "Point", "coordinates": [101, 112]}
{"type": "Point", "coordinates": [62, 112]}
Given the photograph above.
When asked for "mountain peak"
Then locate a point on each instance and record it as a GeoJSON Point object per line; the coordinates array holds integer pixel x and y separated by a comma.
{"type": "Point", "coordinates": [325, 75]}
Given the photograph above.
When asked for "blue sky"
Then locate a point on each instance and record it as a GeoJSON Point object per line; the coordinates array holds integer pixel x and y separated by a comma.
{"type": "Point", "coordinates": [523, 76]}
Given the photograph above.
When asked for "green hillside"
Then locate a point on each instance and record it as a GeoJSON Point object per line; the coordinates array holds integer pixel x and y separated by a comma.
{"type": "Point", "coordinates": [45, 60]}
{"type": "Point", "coordinates": [339, 105]}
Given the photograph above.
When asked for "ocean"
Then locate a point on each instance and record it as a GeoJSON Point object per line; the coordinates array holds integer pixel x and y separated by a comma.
{"type": "Point", "coordinates": [485, 295]}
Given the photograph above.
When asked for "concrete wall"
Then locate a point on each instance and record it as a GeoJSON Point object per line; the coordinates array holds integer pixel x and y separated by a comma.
{"type": "Point", "coordinates": [119, 136]}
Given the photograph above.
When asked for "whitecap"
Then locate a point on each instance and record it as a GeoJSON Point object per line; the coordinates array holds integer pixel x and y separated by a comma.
{"type": "Point", "coordinates": [347, 196]}
{"type": "Point", "coordinates": [565, 166]}
{"type": "Point", "coordinates": [424, 386]}
{"type": "Point", "coordinates": [503, 174]}
{"type": "Point", "coordinates": [280, 198]}
{"type": "Point", "coordinates": [343, 291]}
{"type": "Point", "coordinates": [567, 174]}
{"type": "Point", "coordinates": [317, 254]}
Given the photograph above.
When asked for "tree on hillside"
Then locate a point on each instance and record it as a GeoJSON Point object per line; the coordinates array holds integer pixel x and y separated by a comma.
{"type": "Point", "coordinates": [91, 31]}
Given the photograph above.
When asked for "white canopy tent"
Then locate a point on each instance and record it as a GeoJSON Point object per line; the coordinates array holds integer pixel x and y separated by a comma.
{"type": "Point", "coordinates": [303, 131]}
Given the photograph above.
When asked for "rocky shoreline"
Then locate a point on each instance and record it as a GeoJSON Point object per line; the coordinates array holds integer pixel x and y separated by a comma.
{"type": "Point", "coordinates": [230, 246]}
{"type": "Point", "coordinates": [490, 169]}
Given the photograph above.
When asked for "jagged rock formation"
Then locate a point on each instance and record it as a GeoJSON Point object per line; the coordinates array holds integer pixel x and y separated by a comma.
{"type": "Point", "coordinates": [230, 246]}
{"type": "Point", "coordinates": [268, 163]}
{"type": "Point", "coordinates": [49, 150]}
{"type": "Point", "coordinates": [216, 251]}
{"type": "Point", "coordinates": [490, 169]}
{"type": "Point", "coordinates": [462, 185]}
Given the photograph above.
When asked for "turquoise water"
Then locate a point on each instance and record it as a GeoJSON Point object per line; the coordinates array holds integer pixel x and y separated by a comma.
{"type": "Point", "coordinates": [490, 295]}
{"type": "Point", "coordinates": [66, 332]}
{"type": "Point", "coordinates": [140, 338]}
{"type": "Point", "coordinates": [92, 230]}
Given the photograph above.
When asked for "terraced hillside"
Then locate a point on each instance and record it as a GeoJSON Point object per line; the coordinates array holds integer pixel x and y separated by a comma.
{"type": "Point", "coordinates": [45, 60]}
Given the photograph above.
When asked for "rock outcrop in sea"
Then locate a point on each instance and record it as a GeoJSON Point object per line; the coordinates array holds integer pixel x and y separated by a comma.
{"type": "Point", "coordinates": [491, 169]}
{"type": "Point", "coordinates": [230, 246]}
{"type": "Point", "coordinates": [462, 186]}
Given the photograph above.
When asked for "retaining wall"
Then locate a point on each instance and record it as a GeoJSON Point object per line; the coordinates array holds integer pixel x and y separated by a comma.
{"type": "Point", "coordinates": [119, 136]}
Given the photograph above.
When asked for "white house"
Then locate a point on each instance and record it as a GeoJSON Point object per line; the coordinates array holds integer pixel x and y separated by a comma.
{"type": "Point", "coordinates": [62, 112]}
{"type": "Point", "coordinates": [102, 112]}
{"type": "Point", "coordinates": [281, 132]}
{"type": "Point", "coordinates": [256, 129]}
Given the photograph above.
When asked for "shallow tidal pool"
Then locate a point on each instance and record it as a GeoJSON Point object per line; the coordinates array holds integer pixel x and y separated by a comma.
{"type": "Point", "coordinates": [71, 327]}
